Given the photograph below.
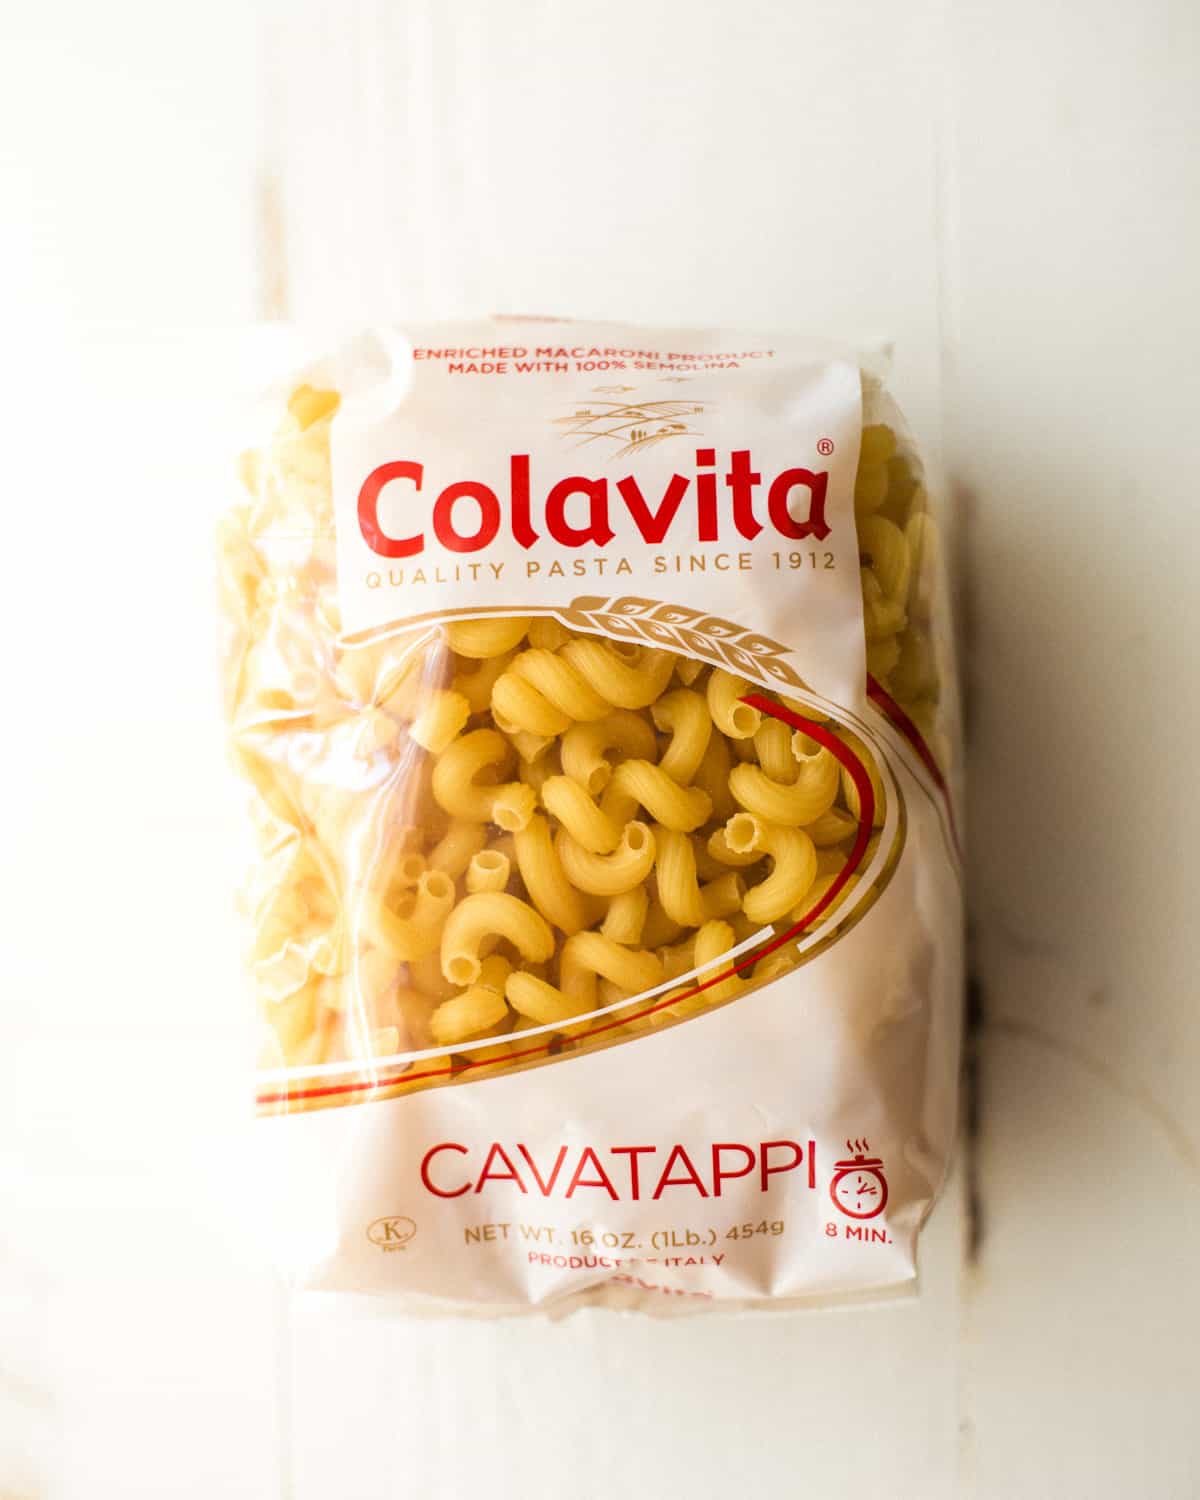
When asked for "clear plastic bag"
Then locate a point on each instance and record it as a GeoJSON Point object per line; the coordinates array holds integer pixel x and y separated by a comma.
{"type": "Point", "coordinates": [602, 741]}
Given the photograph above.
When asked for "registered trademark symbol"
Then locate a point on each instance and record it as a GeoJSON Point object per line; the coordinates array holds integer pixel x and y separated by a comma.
{"type": "Point", "coordinates": [825, 446]}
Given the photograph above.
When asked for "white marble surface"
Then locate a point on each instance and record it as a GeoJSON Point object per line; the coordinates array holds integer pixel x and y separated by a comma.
{"type": "Point", "coordinates": [1011, 194]}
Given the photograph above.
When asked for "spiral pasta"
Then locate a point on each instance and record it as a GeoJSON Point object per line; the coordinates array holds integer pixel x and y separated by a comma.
{"type": "Point", "coordinates": [628, 865]}
{"type": "Point", "coordinates": [486, 638]}
{"type": "Point", "coordinates": [689, 719]}
{"type": "Point", "coordinates": [485, 916]}
{"type": "Point", "coordinates": [733, 717]}
{"type": "Point", "coordinates": [683, 899]}
{"type": "Point", "coordinates": [544, 694]}
{"type": "Point", "coordinates": [587, 823]}
{"type": "Point", "coordinates": [793, 860]}
{"type": "Point", "coordinates": [558, 898]}
{"type": "Point", "coordinates": [561, 818]}
{"type": "Point", "coordinates": [802, 801]}
{"type": "Point", "coordinates": [458, 789]}
{"type": "Point", "coordinates": [640, 783]}
{"type": "Point", "coordinates": [416, 934]}
{"type": "Point", "coordinates": [585, 957]}
{"type": "Point", "coordinates": [585, 747]}
{"type": "Point", "coordinates": [626, 915]}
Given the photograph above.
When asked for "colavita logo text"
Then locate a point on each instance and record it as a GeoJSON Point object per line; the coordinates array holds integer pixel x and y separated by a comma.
{"type": "Point", "coordinates": [467, 515]}
{"type": "Point", "coordinates": [449, 1170]}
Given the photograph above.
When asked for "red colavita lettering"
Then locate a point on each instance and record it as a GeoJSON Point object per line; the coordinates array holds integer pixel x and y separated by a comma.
{"type": "Point", "coordinates": [653, 524]}
{"type": "Point", "coordinates": [741, 480]}
{"type": "Point", "coordinates": [469, 515]}
{"type": "Point", "coordinates": [597, 531]}
{"type": "Point", "coordinates": [368, 510]}
{"type": "Point", "coordinates": [781, 517]}
{"type": "Point", "coordinates": [518, 483]}
{"type": "Point", "coordinates": [444, 527]}
{"type": "Point", "coordinates": [706, 497]}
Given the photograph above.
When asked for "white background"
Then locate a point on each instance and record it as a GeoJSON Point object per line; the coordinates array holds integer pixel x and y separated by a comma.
{"type": "Point", "coordinates": [1010, 192]}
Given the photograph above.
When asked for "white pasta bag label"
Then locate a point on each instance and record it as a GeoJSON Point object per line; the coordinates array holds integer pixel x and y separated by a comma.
{"type": "Point", "coordinates": [596, 689]}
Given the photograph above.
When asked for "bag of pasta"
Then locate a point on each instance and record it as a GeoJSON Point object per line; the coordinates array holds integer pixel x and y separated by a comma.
{"type": "Point", "coordinates": [596, 692]}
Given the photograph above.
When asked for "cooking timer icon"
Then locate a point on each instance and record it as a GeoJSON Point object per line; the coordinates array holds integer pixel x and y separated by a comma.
{"type": "Point", "coordinates": [859, 1188]}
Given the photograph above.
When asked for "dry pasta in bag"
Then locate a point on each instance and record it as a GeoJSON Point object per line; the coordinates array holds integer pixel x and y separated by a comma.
{"type": "Point", "coordinates": [596, 695]}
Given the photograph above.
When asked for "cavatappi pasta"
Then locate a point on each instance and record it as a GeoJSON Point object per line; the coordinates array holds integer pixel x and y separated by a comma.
{"type": "Point", "coordinates": [595, 690]}
{"type": "Point", "coordinates": [471, 829]}
{"type": "Point", "coordinates": [902, 575]}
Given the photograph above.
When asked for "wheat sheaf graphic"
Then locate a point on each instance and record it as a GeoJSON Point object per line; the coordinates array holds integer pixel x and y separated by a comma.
{"type": "Point", "coordinates": [694, 632]}
{"type": "Point", "coordinates": [630, 425]}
